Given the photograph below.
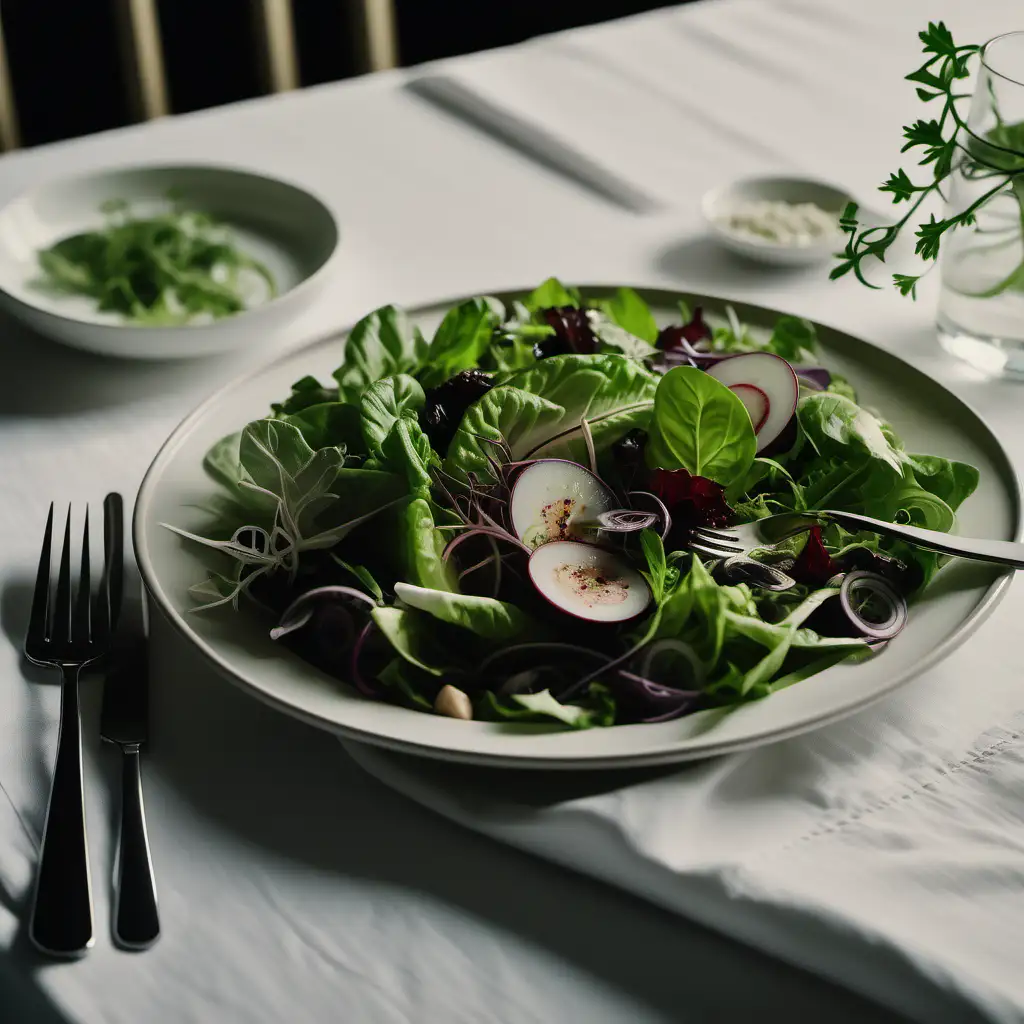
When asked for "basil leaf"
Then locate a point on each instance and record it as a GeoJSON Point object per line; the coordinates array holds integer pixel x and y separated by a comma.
{"type": "Point", "coordinates": [464, 336]}
{"type": "Point", "coordinates": [382, 344]}
{"type": "Point", "coordinates": [699, 425]}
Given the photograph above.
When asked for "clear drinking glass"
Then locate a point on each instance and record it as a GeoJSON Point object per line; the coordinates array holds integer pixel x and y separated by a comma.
{"type": "Point", "coordinates": [981, 307]}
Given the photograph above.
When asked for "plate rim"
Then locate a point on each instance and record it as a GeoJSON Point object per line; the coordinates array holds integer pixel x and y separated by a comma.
{"type": "Point", "coordinates": [993, 594]}
{"type": "Point", "coordinates": [183, 165]}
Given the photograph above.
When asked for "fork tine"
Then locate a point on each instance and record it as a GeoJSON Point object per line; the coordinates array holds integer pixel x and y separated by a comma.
{"type": "Point", "coordinates": [730, 545]}
{"type": "Point", "coordinates": [60, 628]}
{"type": "Point", "coordinates": [706, 531]}
{"type": "Point", "coordinates": [710, 552]}
{"type": "Point", "coordinates": [37, 623]}
{"type": "Point", "coordinates": [82, 621]}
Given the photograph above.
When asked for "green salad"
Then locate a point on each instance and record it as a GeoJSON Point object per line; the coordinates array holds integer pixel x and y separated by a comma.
{"type": "Point", "coordinates": [495, 522]}
{"type": "Point", "coordinates": [177, 267]}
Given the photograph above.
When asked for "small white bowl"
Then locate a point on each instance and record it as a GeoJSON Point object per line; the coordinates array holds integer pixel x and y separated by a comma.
{"type": "Point", "coordinates": [291, 231]}
{"type": "Point", "coordinates": [787, 190]}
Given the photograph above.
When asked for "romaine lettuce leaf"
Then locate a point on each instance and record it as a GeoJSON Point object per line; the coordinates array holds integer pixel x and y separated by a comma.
{"type": "Point", "coordinates": [538, 412]}
{"type": "Point", "coordinates": [384, 403]}
{"type": "Point", "coordinates": [382, 344]}
{"type": "Point", "coordinates": [484, 616]}
{"type": "Point", "coordinates": [421, 547]}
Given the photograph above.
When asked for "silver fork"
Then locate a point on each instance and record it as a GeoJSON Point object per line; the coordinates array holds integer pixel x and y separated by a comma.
{"type": "Point", "coordinates": [768, 532]}
{"type": "Point", "coordinates": [67, 631]}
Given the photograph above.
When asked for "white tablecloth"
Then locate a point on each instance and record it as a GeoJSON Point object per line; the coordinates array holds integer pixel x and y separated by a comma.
{"type": "Point", "coordinates": [295, 887]}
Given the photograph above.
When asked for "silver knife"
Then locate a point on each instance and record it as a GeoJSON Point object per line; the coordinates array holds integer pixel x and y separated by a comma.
{"type": "Point", "coordinates": [124, 721]}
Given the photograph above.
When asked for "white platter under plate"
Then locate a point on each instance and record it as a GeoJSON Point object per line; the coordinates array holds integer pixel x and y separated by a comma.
{"type": "Point", "coordinates": [925, 414]}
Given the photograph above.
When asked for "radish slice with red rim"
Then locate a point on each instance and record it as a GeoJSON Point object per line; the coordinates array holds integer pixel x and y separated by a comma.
{"type": "Point", "coordinates": [588, 582]}
{"type": "Point", "coordinates": [755, 401]}
{"type": "Point", "coordinates": [768, 387]}
{"type": "Point", "coordinates": [552, 498]}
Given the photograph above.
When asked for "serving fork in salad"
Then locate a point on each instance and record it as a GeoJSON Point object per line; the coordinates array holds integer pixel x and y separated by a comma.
{"type": "Point", "coordinates": [764, 534]}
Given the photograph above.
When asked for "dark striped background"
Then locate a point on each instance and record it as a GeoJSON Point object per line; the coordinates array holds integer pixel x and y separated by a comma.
{"type": "Point", "coordinates": [68, 74]}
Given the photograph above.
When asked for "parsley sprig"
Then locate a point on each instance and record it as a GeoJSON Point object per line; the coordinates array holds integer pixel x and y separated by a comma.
{"type": "Point", "coordinates": [998, 156]}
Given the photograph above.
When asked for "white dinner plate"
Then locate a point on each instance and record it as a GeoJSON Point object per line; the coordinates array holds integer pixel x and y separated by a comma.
{"type": "Point", "coordinates": [292, 232]}
{"type": "Point", "coordinates": [926, 415]}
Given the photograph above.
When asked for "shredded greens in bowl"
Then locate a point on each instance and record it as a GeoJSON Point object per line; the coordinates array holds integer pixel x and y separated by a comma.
{"type": "Point", "coordinates": [496, 522]}
{"type": "Point", "coordinates": [172, 268]}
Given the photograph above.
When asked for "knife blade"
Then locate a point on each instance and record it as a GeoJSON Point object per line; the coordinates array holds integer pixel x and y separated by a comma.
{"type": "Point", "coordinates": [124, 718]}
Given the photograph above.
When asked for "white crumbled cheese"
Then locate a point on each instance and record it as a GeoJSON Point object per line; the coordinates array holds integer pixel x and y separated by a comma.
{"type": "Point", "coordinates": [795, 224]}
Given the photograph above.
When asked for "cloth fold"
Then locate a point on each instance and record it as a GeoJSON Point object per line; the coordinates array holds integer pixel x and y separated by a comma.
{"type": "Point", "coordinates": [885, 853]}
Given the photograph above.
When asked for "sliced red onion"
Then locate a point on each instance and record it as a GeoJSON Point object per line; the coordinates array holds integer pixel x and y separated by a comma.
{"type": "Point", "coordinates": [358, 681]}
{"type": "Point", "coordinates": [698, 671]}
{"type": "Point", "coordinates": [881, 590]}
{"type": "Point", "coordinates": [300, 611]}
{"type": "Point", "coordinates": [625, 520]}
{"type": "Point", "coordinates": [541, 647]}
{"type": "Point", "coordinates": [644, 700]}
{"type": "Point", "coordinates": [662, 509]}
{"type": "Point", "coordinates": [816, 377]}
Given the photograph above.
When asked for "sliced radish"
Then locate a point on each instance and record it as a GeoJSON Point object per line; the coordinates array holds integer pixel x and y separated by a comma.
{"type": "Point", "coordinates": [771, 376]}
{"type": "Point", "coordinates": [756, 402]}
{"type": "Point", "coordinates": [552, 497]}
{"type": "Point", "coordinates": [588, 582]}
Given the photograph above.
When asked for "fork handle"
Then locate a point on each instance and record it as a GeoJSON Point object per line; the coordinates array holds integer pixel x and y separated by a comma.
{"type": "Point", "coordinates": [61, 922]}
{"type": "Point", "coordinates": [136, 920]}
{"type": "Point", "coordinates": [1001, 552]}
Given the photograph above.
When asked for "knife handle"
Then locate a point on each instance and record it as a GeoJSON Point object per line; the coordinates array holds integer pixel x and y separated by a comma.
{"type": "Point", "coordinates": [136, 920]}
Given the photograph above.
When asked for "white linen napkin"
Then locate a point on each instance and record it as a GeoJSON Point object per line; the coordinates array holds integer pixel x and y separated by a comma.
{"type": "Point", "coordinates": [885, 853]}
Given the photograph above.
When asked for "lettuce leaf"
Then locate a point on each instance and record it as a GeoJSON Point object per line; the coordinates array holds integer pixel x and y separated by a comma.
{"type": "Point", "coordinates": [421, 547]}
{"type": "Point", "coordinates": [384, 403]}
{"type": "Point", "coordinates": [329, 424]}
{"type": "Point", "coordinates": [551, 294]}
{"type": "Point", "coordinates": [484, 616]}
{"type": "Point", "coordinates": [464, 336]}
{"type": "Point", "coordinates": [382, 344]}
{"type": "Point", "coordinates": [538, 411]}
{"type": "Point", "coordinates": [629, 311]}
